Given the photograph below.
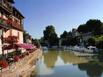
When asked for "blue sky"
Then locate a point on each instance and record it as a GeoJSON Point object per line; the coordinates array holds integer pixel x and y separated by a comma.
{"type": "Point", "coordinates": [63, 14]}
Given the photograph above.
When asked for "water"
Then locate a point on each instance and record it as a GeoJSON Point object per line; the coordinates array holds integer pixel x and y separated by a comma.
{"type": "Point", "coordinates": [66, 64]}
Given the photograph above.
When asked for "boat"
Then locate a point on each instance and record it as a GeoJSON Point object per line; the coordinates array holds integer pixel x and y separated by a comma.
{"type": "Point", "coordinates": [81, 54]}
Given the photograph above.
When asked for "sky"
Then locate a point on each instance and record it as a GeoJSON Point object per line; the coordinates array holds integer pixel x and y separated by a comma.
{"type": "Point", "coordinates": [62, 14]}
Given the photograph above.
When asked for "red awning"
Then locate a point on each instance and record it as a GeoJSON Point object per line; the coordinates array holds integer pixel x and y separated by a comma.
{"type": "Point", "coordinates": [15, 46]}
{"type": "Point", "coordinates": [26, 46]}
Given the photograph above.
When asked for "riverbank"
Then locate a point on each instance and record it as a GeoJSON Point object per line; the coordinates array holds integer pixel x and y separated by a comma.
{"type": "Point", "coordinates": [24, 67]}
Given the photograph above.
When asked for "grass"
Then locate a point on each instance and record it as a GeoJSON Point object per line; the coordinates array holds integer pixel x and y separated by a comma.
{"type": "Point", "coordinates": [98, 38]}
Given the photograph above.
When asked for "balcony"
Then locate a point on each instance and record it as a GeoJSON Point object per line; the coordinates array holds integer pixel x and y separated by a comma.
{"type": "Point", "coordinates": [9, 24]}
{"type": "Point", "coordinates": [10, 39]}
{"type": "Point", "coordinates": [17, 26]}
{"type": "Point", "coordinates": [6, 6]}
{"type": "Point", "coordinates": [5, 23]}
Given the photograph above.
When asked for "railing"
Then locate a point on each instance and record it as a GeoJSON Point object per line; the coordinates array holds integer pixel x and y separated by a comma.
{"type": "Point", "coordinates": [10, 39]}
{"type": "Point", "coordinates": [17, 25]}
{"type": "Point", "coordinates": [10, 23]}
{"type": "Point", "coordinates": [6, 6]}
{"type": "Point", "coordinates": [5, 22]}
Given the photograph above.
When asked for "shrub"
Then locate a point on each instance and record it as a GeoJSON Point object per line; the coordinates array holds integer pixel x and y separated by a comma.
{"type": "Point", "coordinates": [27, 53]}
{"type": "Point", "coordinates": [11, 54]}
{"type": "Point", "coordinates": [20, 56]}
{"type": "Point", "coordinates": [100, 45]}
{"type": "Point", "coordinates": [91, 41]}
{"type": "Point", "coordinates": [18, 52]}
{"type": "Point", "coordinates": [3, 63]}
{"type": "Point", "coordinates": [30, 51]}
{"type": "Point", "coordinates": [16, 58]}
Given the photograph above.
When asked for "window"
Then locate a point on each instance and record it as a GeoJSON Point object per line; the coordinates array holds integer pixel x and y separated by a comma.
{"type": "Point", "coordinates": [0, 33]}
{"type": "Point", "coordinates": [18, 35]}
{"type": "Point", "coordinates": [10, 32]}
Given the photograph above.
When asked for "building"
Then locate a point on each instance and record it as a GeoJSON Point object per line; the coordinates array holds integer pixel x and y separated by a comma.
{"type": "Point", "coordinates": [82, 37]}
{"type": "Point", "coordinates": [75, 33]}
{"type": "Point", "coordinates": [11, 22]}
{"type": "Point", "coordinates": [27, 38]}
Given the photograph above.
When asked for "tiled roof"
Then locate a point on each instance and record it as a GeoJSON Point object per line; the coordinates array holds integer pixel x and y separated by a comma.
{"type": "Point", "coordinates": [12, 1]}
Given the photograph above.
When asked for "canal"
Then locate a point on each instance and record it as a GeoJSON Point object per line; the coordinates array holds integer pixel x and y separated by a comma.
{"type": "Point", "coordinates": [66, 64]}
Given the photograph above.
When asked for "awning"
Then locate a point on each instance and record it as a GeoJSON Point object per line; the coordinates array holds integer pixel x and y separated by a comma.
{"type": "Point", "coordinates": [15, 46]}
{"type": "Point", "coordinates": [26, 46]}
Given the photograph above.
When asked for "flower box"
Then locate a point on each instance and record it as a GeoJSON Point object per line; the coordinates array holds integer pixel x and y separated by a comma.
{"type": "Point", "coordinates": [3, 64]}
{"type": "Point", "coordinates": [16, 58]}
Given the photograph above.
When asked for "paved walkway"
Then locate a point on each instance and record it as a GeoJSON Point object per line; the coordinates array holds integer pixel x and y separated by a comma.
{"type": "Point", "coordinates": [24, 67]}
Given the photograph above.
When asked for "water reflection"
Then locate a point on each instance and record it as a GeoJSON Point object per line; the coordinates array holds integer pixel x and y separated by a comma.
{"type": "Point", "coordinates": [50, 58]}
{"type": "Point", "coordinates": [66, 64]}
{"type": "Point", "coordinates": [71, 58]}
{"type": "Point", "coordinates": [93, 69]}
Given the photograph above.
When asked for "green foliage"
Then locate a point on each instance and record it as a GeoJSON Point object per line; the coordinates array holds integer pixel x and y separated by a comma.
{"type": "Point", "coordinates": [11, 54]}
{"type": "Point", "coordinates": [93, 69]}
{"type": "Point", "coordinates": [68, 39]}
{"type": "Point", "coordinates": [92, 25]}
{"type": "Point", "coordinates": [26, 36]}
{"type": "Point", "coordinates": [42, 42]}
{"type": "Point", "coordinates": [36, 43]}
{"type": "Point", "coordinates": [18, 52]}
{"type": "Point", "coordinates": [100, 44]}
{"type": "Point", "coordinates": [82, 28]}
{"type": "Point", "coordinates": [91, 41]}
{"type": "Point", "coordinates": [50, 36]}
{"type": "Point", "coordinates": [64, 35]}
{"type": "Point", "coordinates": [99, 41]}
{"type": "Point", "coordinates": [98, 38]}
{"type": "Point", "coordinates": [48, 32]}
{"type": "Point", "coordinates": [100, 55]}
{"type": "Point", "coordinates": [64, 38]}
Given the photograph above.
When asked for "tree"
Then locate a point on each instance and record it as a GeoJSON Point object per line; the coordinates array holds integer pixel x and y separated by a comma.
{"type": "Point", "coordinates": [93, 69]}
{"type": "Point", "coordinates": [91, 41]}
{"type": "Point", "coordinates": [64, 35]}
{"type": "Point", "coordinates": [82, 28]}
{"type": "Point", "coordinates": [100, 44]}
{"type": "Point", "coordinates": [36, 43]}
{"type": "Point", "coordinates": [92, 25]}
{"type": "Point", "coordinates": [25, 36]}
{"type": "Point", "coordinates": [50, 36]}
{"type": "Point", "coordinates": [63, 38]}
{"type": "Point", "coordinates": [68, 39]}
